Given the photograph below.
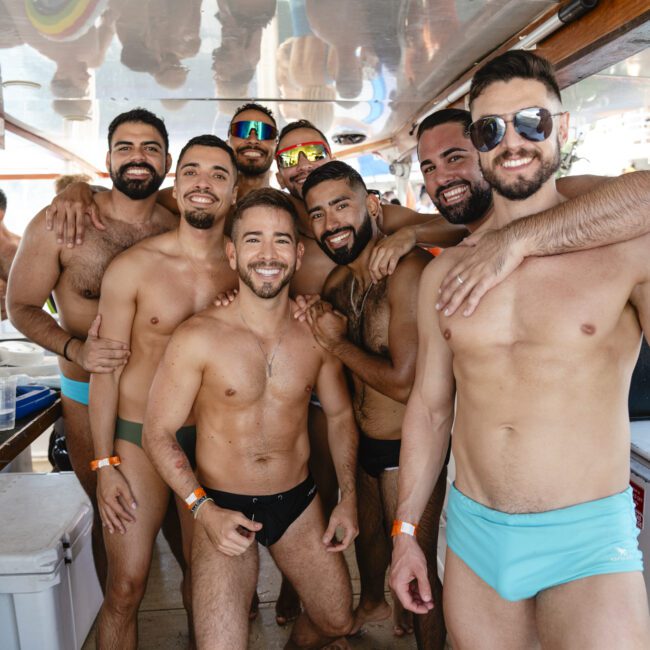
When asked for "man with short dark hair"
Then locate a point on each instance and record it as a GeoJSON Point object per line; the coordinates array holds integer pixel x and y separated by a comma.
{"type": "Point", "coordinates": [138, 160]}
{"type": "Point", "coordinates": [537, 553]}
{"type": "Point", "coordinates": [146, 293]}
{"type": "Point", "coordinates": [371, 328]}
{"type": "Point", "coordinates": [249, 397]}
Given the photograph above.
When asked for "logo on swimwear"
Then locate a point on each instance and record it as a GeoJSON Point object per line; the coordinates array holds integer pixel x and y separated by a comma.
{"type": "Point", "coordinates": [311, 491]}
{"type": "Point", "coordinates": [621, 554]}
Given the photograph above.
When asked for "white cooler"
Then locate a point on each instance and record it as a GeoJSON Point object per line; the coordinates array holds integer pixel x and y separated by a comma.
{"type": "Point", "coordinates": [640, 482]}
{"type": "Point", "coordinates": [49, 592]}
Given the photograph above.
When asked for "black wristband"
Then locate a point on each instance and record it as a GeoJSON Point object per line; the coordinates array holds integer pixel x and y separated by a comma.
{"type": "Point", "coordinates": [65, 348]}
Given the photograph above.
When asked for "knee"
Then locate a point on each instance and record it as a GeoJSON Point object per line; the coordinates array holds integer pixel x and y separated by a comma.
{"type": "Point", "coordinates": [124, 593]}
{"type": "Point", "coordinates": [338, 624]}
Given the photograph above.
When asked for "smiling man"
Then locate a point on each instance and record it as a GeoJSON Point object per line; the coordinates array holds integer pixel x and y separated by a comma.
{"type": "Point", "coordinates": [137, 161]}
{"type": "Point", "coordinates": [250, 396]}
{"type": "Point", "coordinates": [146, 293]}
{"type": "Point", "coordinates": [541, 532]}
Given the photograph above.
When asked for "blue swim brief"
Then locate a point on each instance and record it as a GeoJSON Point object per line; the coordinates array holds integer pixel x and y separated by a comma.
{"type": "Point", "coordinates": [519, 555]}
{"type": "Point", "coordinates": [74, 390]}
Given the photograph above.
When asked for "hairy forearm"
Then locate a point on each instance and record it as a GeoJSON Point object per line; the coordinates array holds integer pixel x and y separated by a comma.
{"type": "Point", "coordinates": [437, 232]}
{"type": "Point", "coordinates": [169, 459]}
{"type": "Point", "coordinates": [375, 371]}
{"type": "Point", "coordinates": [104, 394]}
{"type": "Point", "coordinates": [38, 326]}
{"type": "Point", "coordinates": [343, 439]}
{"type": "Point", "coordinates": [616, 211]}
{"type": "Point", "coordinates": [425, 439]}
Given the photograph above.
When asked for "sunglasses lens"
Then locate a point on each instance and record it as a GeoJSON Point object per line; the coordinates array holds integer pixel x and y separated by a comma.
{"type": "Point", "coordinates": [534, 124]}
{"type": "Point", "coordinates": [487, 132]}
{"type": "Point", "coordinates": [313, 151]}
{"type": "Point", "coordinates": [263, 131]}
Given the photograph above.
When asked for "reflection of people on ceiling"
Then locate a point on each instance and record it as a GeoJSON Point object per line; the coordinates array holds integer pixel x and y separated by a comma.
{"type": "Point", "coordinates": [236, 58]}
{"type": "Point", "coordinates": [156, 35]}
{"type": "Point", "coordinates": [68, 37]}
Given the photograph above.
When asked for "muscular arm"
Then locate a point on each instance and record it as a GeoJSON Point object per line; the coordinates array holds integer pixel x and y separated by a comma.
{"type": "Point", "coordinates": [393, 375]}
{"type": "Point", "coordinates": [31, 283]}
{"type": "Point", "coordinates": [424, 228]}
{"type": "Point", "coordinates": [614, 210]}
{"type": "Point", "coordinates": [175, 386]}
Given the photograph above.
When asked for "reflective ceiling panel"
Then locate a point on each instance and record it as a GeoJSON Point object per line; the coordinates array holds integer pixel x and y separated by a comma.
{"type": "Point", "coordinates": [363, 66]}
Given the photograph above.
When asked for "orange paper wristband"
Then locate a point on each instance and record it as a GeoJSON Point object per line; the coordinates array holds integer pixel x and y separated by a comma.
{"type": "Point", "coordinates": [104, 462]}
{"type": "Point", "coordinates": [403, 528]}
{"type": "Point", "coordinates": [197, 494]}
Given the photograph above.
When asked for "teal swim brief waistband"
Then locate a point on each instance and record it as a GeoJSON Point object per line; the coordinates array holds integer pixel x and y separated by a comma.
{"type": "Point", "coordinates": [74, 390]}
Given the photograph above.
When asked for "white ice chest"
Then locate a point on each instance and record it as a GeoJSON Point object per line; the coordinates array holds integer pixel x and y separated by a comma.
{"type": "Point", "coordinates": [49, 592]}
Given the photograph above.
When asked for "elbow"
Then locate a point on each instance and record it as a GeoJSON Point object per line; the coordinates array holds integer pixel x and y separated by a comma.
{"type": "Point", "coordinates": [402, 386]}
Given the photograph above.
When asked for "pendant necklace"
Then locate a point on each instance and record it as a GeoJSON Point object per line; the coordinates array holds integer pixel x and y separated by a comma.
{"type": "Point", "coordinates": [267, 361]}
{"type": "Point", "coordinates": [357, 312]}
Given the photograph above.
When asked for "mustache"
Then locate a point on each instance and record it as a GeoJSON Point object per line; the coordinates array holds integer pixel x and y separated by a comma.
{"type": "Point", "coordinates": [268, 265]}
{"type": "Point", "coordinates": [126, 166]}
{"type": "Point", "coordinates": [444, 188]}
{"type": "Point", "coordinates": [250, 147]}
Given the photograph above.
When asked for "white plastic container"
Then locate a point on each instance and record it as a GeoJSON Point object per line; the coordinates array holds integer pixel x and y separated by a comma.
{"type": "Point", "coordinates": [49, 592]}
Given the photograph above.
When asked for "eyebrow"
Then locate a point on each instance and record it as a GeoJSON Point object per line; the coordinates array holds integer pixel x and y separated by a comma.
{"type": "Point", "coordinates": [154, 142]}
{"type": "Point", "coordinates": [259, 233]}
{"type": "Point", "coordinates": [196, 165]}
{"type": "Point", "coordinates": [444, 154]}
{"type": "Point", "coordinates": [338, 199]}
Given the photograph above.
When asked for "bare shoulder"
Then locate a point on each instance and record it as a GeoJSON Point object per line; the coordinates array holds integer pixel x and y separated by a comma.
{"type": "Point", "coordinates": [439, 266]}
{"type": "Point", "coordinates": [164, 217]}
{"type": "Point", "coordinates": [407, 274]}
{"type": "Point", "coordinates": [334, 280]}
{"type": "Point", "coordinates": [36, 234]}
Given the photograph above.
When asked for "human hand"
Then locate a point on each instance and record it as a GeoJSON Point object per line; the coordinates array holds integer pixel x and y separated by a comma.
{"type": "Point", "coordinates": [304, 303]}
{"type": "Point", "coordinates": [343, 516]}
{"type": "Point", "coordinates": [388, 251]}
{"type": "Point", "coordinates": [328, 326]}
{"type": "Point", "coordinates": [230, 531]}
{"type": "Point", "coordinates": [97, 354]}
{"type": "Point", "coordinates": [115, 500]}
{"type": "Point", "coordinates": [224, 298]}
{"type": "Point", "coordinates": [66, 214]}
{"type": "Point", "coordinates": [494, 256]}
{"type": "Point", "coordinates": [408, 575]}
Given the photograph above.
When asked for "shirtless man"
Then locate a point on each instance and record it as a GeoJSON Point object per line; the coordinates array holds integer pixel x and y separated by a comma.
{"type": "Point", "coordinates": [249, 397]}
{"type": "Point", "coordinates": [371, 328]}
{"type": "Point", "coordinates": [146, 293]}
{"type": "Point", "coordinates": [8, 247]}
{"type": "Point", "coordinates": [541, 551]}
{"type": "Point", "coordinates": [137, 161]}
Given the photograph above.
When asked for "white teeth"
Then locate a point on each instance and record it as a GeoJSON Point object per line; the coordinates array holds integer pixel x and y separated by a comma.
{"type": "Point", "coordinates": [453, 193]}
{"type": "Point", "coordinates": [252, 154]}
{"type": "Point", "coordinates": [339, 238]}
{"type": "Point", "coordinates": [516, 162]}
{"type": "Point", "coordinates": [137, 171]}
{"type": "Point", "coordinates": [200, 199]}
{"type": "Point", "coordinates": [267, 272]}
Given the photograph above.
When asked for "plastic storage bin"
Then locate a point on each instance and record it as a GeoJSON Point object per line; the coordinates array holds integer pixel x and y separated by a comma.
{"type": "Point", "coordinates": [49, 592]}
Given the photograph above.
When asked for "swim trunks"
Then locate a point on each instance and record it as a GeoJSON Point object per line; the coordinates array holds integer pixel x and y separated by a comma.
{"type": "Point", "coordinates": [74, 390]}
{"type": "Point", "coordinates": [376, 456]}
{"type": "Point", "coordinates": [132, 432]}
{"type": "Point", "coordinates": [276, 512]}
{"type": "Point", "coordinates": [520, 555]}
{"type": "Point", "coordinates": [314, 401]}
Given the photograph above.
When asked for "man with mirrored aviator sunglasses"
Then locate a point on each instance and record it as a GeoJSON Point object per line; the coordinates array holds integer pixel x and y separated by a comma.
{"type": "Point", "coordinates": [541, 531]}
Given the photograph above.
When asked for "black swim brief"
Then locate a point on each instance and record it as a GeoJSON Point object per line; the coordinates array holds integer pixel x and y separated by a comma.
{"type": "Point", "coordinates": [276, 512]}
{"type": "Point", "coordinates": [375, 456]}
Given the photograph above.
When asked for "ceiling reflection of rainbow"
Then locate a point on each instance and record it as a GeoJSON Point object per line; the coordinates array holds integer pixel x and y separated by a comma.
{"type": "Point", "coordinates": [62, 20]}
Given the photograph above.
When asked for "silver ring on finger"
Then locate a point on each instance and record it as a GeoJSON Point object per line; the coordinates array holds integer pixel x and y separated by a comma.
{"type": "Point", "coordinates": [459, 279]}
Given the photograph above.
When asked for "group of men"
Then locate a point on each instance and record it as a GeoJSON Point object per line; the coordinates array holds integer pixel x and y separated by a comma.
{"type": "Point", "coordinates": [186, 364]}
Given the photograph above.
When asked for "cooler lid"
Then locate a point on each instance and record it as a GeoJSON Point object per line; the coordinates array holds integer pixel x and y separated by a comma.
{"type": "Point", "coordinates": [640, 430]}
{"type": "Point", "coordinates": [37, 512]}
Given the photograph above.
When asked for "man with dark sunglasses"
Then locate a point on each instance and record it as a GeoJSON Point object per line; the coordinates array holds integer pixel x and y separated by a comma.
{"type": "Point", "coordinates": [541, 531]}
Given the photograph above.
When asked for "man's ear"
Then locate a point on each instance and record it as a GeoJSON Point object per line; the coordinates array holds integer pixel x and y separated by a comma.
{"type": "Point", "coordinates": [563, 128]}
{"type": "Point", "coordinates": [108, 161]}
{"type": "Point", "coordinates": [373, 205]}
{"type": "Point", "coordinates": [300, 251]}
{"type": "Point", "coordinates": [231, 254]}
{"type": "Point", "coordinates": [168, 163]}
{"type": "Point", "coordinates": [235, 192]}
{"type": "Point", "coordinates": [278, 177]}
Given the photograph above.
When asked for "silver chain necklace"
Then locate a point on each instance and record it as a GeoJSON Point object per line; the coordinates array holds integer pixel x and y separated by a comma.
{"type": "Point", "coordinates": [267, 361]}
{"type": "Point", "coordinates": [355, 311]}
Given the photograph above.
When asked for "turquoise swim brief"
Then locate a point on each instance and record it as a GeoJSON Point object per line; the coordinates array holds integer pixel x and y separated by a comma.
{"type": "Point", "coordinates": [74, 390]}
{"type": "Point", "coordinates": [519, 555]}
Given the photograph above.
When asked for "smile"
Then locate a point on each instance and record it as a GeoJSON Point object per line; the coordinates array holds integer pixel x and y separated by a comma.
{"type": "Point", "coordinates": [268, 272]}
{"type": "Point", "coordinates": [455, 194]}
{"type": "Point", "coordinates": [200, 199]}
{"type": "Point", "coordinates": [137, 172]}
{"type": "Point", "coordinates": [340, 239]}
{"type": "Point", "coordinates": [513, 163]}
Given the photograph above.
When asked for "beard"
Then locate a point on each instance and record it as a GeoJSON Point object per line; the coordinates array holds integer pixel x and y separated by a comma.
{"type": "Point", "coordinates": [268, 289]}
{"type": "Point", "coordinates": [135, 189]}
{"type": "Point", "coordinates": [344, 256]}
{"type": "Point", "coordinates": [200, 220]}
{"type": "Point", "coordinates": [253, 166]}
{"type": "Point", "coordinates": [521, 188]}
{"type": "Point", "coordinates": [472, 209]}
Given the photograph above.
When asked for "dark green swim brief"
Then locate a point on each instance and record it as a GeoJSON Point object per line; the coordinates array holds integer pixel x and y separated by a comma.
{"type": "Point", "coordinates": [132, 432]}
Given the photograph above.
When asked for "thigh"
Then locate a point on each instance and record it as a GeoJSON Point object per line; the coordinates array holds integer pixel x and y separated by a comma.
{"type": "Point", "coordinates": [320, 577]}
{"type": "Point", "coordinates": [370, 506]}
{"type": "Point", "coordinates": [477, 617]}
{"type": "Point", "coordinates": [79, 444]}
{"type": "Point", "coordinates": [187, 526]}
{"type": "Point", "coordinates": [130, 554]}
{"type": "Point", "coordinates": [222, 588]}
{"type": "Point", "coordinates": [320, 460]}
{"type": "Point", "coordinates": [598, 612]}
